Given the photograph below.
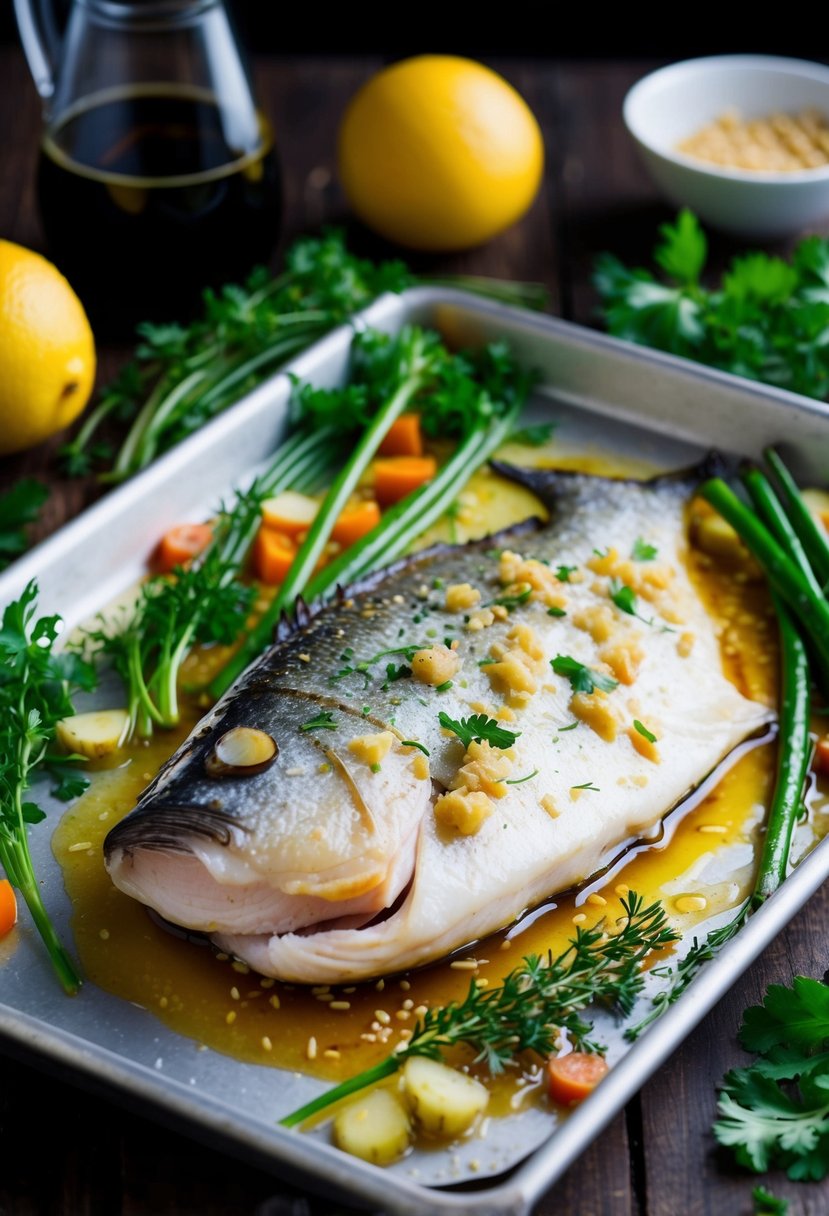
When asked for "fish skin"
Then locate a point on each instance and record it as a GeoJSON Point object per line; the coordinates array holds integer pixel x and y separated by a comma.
{"type": "Point", "coordinates": [315, 847]}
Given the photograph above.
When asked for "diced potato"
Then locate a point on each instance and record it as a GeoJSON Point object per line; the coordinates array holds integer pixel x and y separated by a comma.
{"type": "Point", "coordinates": [289, 512]}
{"type": "Point", "coordinates": [375, 1127]}
{"type": "Point", "coordinates": [95, 734]}
{"type": "Point", "coordinates": [445, 1102]}
{"type": "Point", "coordinates": [714, 536]}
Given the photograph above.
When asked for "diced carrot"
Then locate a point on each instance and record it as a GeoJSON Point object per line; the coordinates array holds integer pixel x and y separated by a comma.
{"type": "Point", "coordinates": [289, 512]}
{"type": "Point", "coordinates": [180, 545]}
{"type": "Point", "coordinates": [355, 522]}
{"type": "Point", "coordinates": [403, 438]}
{"type": "Point", "coordinates": [397, 476]}
{"type": "Point", "coordinates": [573, 1077]}
{"type": "Point", "coordinates": [820, 762]}
{"type": "Point", "coordinates": [824, 519]}
{"type": "Point", "coordinates": [273, 553]}
{"type": "Point", "coordinates": [8, 907]}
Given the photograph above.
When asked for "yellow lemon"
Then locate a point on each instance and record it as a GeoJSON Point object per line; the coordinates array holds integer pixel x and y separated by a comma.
{"type": "Point", "coordinates": [439, 153]}
{"type": "Point", "coordinates": [47, 352]}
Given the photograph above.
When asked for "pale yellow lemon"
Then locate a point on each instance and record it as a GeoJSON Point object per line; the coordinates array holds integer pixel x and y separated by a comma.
{"type": "Point", "coordinates": [47, 351]}
{"type": "Point", "coordinates": [439, 153]}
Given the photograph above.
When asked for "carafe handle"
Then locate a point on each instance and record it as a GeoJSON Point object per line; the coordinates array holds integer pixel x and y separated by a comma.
{"type": "Point", "coordinates": [36, 23]}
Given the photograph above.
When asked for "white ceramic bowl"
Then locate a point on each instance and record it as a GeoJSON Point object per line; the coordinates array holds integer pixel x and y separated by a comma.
{"type": "Point", "coordinates": [673, 103]}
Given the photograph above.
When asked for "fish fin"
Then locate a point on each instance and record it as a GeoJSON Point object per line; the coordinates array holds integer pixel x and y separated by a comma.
{"type": "Point", "coordinates": [550, 485]}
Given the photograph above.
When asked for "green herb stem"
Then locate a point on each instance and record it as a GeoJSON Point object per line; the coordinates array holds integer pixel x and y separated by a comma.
{"type": "Point", "coordinates": [386, 1068]}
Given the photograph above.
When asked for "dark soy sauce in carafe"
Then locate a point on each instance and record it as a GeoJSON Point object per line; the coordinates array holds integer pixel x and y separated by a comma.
{"type": "Point", "coordinates": [145, 201]}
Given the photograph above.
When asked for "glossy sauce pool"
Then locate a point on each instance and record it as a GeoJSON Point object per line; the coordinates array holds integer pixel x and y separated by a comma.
{"type": "Point", "coordinates": [700, 863]}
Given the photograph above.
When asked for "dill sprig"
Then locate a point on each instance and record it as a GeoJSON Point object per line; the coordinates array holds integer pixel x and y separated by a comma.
{"type": "Point", "coordinates": [534, 1003]}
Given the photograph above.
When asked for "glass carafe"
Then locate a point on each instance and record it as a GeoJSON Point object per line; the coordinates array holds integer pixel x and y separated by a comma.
{"type": "Point", "coordinates": [157, 173]}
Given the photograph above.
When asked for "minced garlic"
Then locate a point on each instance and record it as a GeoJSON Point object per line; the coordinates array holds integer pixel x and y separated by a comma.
{"type": "Point", "coordinates": [460, 596]}
{"type": "Point", "coordinates": [595, 711]}
{"type": "Point", "coordinates": [436, 665]}
{"type": "Point", "coordinates": [464, 810]}
{"type": "Point", "coordinates": [515, 571]}
{"type": "Point", "coordinates": [484, 768]}
{"type": "Point", "coordinates": [372, 749]}
{"type": "Point", "coordinates": [624, 658]}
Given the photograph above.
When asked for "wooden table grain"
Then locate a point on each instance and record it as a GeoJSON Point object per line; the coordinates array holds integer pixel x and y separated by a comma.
{"type": "Point", "coordinates": [66, 1153]}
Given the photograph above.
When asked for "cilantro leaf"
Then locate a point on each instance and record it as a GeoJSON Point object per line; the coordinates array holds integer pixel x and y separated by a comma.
{"type": "Point", "coordinates": [19, 506]}
{"type": "Point", "coordinates": [623, 597]}
{"type": "Point", "coordinates": [642, 551]}
{"type": "Point", "coordinates": [563, 573]}
{"type": "Point", "coordinates": [479, 729]}
{"type": "Point", "coordinates": [684, 248]}
{"type": "Point", "coordinates": [581, 677]}
{"type": "Point", "coordinates": [323, 721]}
{"type": "Point", "coordinates": [789, 1017]}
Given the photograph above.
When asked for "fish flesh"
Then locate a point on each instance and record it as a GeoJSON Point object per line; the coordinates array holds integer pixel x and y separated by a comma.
{"type": "Point", "coordinates": [325, 823]}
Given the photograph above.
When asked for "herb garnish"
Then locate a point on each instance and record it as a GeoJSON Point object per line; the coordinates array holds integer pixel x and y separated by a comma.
{"type": "Point", "coordinates": [534, 436]}
{"type": "Point", "coordinates": [479, 729]}
{"type": "Point", "coordinates": [18, 506]}
{"type": "Point", "coordinates": [521, 780]}
{"type": "Point", "coordinates": [563, 573]}
{"type": "Point", "coordinates": [36, 688]}
{"type": "Point", "coordinates": [623, 597]}
{"type": "Point", "coordinates": [588, 785]}
{"type": "Point", "coordinates": [643, 731]}
{"type": "Point", "coordinates": [582, 678]}
{"type": "Point", "coordinates": [393, 671]}
{"type": "Point", "coordinates": [323, 721]}
{"type": "Point", "coordinates": [554, 611]}
{"type": "Point", "coordinates": [642, 551]}
{"type": "Point", "coordinates": [533, 1004]}
{"type": "Point", "coordinates": [414, 743]}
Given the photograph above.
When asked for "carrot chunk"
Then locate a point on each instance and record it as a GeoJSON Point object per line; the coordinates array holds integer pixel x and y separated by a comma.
{"type": "Point", "coordinates": [403, 438]}
{"type": "Point", "coordinates": [820, 762]}
{"type": "Point", "coordinates": [397, 476]}
{"type": "Point", "coordinates": [8, 907]}
{"type": "Point", "coordinates": [273, 554]}
{"type": "Point", "coordinates": [355, 521]}
{"type": "Point", "coordinates": [573, 1077]}
{"type": "Point", "coordinates": [180, 545]}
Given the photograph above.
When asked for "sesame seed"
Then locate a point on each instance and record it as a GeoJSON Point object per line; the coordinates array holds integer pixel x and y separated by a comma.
{"type": "Point", "coordinates": [266, 1043]}
{"type": "Point", "coordinates": [579, 918]}
{"type": "Point", "coordinates": [714, 829]}
{"type": "Point", "coordinates": [506, 944]}
{"type": "Point", "coordinates": [304, 658]}
{"type": "Point", "coordinates": [382, 1017]}
{"type": "Point", "coordinates": [369, 1038]}
{"type": "Point", "coordinates": [221, 957]}
{"type": "Point", "coordinates": [598, 901]}
{"type": "Point", "coordinates": [331, 1053]}
{"type": "Point", "coordinates": [402, 1015]}
{"type": "Point", "coordinates": [273, 1001]}
{"type": "Point", "coordinates": [163, 1002]}
{"type": "Point", "coordinates": [296, 771]}
{"type": "Point", "coordinates": [351, 989]}
{"type": "Point", "coordinates": [80, 846]}
{"type": "Point", "coordinates": [231, 1017]}
{"type": "Point", "coordinates": [234, 992]}
{"type": "Point", "coordinates": [340, 1005]}
{"type": "Point", "coordinates": [240, 967]}
{"type": "Point", "coordinates": [464, 964]}
{"type": "Point", "coordinates": [103, 816]}
{"type": "Point", "coordinates": [311, 1049]}
{"type": "Point", "coordinates": [104, 935]}
{"type": "Point", "coordinates": [266, 982]}
{"type": "Point", "coordinates": [325, 997]}
{"type": "Point", "coordinates": [622, 889]}
{"type": "Point", "coordinates": [380, 985]}
{"type": "Point", "coordinates": [408, 1003]}
{"type": "Point", "coordinates": [405, 985]}
{"type": "Point", "coordinates": [482, 982]}
{"type": "Point", "coordinates": [421, 1011]}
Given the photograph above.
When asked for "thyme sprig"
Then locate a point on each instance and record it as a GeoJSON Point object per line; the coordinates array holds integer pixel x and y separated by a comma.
{"type": "Point", "coordinates": [534, 1003]}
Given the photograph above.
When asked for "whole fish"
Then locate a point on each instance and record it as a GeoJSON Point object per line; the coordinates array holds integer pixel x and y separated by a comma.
{"type": "Point", "coordinates": [459, 737]}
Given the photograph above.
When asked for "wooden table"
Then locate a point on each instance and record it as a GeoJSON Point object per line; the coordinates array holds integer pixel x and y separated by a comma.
{"type": "Point", "coordinates": [63, 1152]}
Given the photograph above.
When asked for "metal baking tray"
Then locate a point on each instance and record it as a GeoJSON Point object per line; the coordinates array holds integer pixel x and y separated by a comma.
{"type": "Point", "coordinates": [604, 395]}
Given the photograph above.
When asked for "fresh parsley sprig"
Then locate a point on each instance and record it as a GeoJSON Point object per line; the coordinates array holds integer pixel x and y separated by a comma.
{"type": "Point", "coordinates": [36, 689]}
{"type": "Point", "coordinates": [478, 728]}
{"type": "Point", "coordinates": [582, 678]}
{"type": "Point", "coordinates": [767, 319]}
{"type": "Point", "coordinates": [532, 1005]}
{"type": "Point", "coordinates": [19, 506]}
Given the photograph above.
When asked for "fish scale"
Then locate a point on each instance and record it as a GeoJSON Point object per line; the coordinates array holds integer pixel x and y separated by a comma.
{"type": "Point", "coordinates": [351, 868]}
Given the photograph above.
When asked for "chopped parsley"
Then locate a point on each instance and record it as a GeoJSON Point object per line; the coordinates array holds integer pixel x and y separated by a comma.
{"type": "Point", "coordinates": [444, 687]}
{"type": "Point", "coordinates": [364, 665]}
{"type": "Point", "coordinates": [521, 780]}
{"type": "Point", "coordinates": [581, 677]}
{"type": "Point", "coordinates": [323, 721]}
{"type": "Point", "coordinates": [642, 551]}
{"type": "Point", "coordinates": [479, 729]}
{"type": "Point", "coordinates": [572, 726]}
{"type": "Point", "coordinates": [643, 731]}
{"type": "Point", "coordinates": [414, 743]}
{"type": "Point", "coordinates": [623, 597]}
{"type": "Point", "coordinates": [563, 573]}
{"type": "Point", "coordinates": [554, 611]}
{"type": "Point", "coordinates": [588, 785]}
{"type": "Point", "coordinates": [534, 436]}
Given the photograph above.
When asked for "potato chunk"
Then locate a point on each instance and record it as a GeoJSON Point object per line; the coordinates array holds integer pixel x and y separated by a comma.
{"type": "Point", "coordinates": [375, 1127]}
{"type": "Point", "coordinates": [445, 1102]}
{"type": "Point", "coordinates": [95, 734]}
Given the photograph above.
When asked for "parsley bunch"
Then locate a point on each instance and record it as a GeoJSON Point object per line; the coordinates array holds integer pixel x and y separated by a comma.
{"type": "Point", "coordinates": [776, 1111]}
{"type": "Point", "coordinates": [19, 506]}
{"type": "Point", "coordinates": [36, 688]}
{"type": "Point", "coordinates": [183, 375]}
{"type": "Point", "coordinates": [768, 319]}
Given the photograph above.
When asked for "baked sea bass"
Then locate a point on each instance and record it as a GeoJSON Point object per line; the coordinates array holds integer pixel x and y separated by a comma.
{"type": "Point", "coordinates": [452, 741]}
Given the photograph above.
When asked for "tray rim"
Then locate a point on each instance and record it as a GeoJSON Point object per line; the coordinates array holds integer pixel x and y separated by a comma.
{"type": "Point", "coordinates": [527, 1181]}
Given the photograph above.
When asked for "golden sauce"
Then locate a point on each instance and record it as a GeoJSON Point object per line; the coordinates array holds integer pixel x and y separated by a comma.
{"type": "Point", "coordinates": [334, 1034]}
